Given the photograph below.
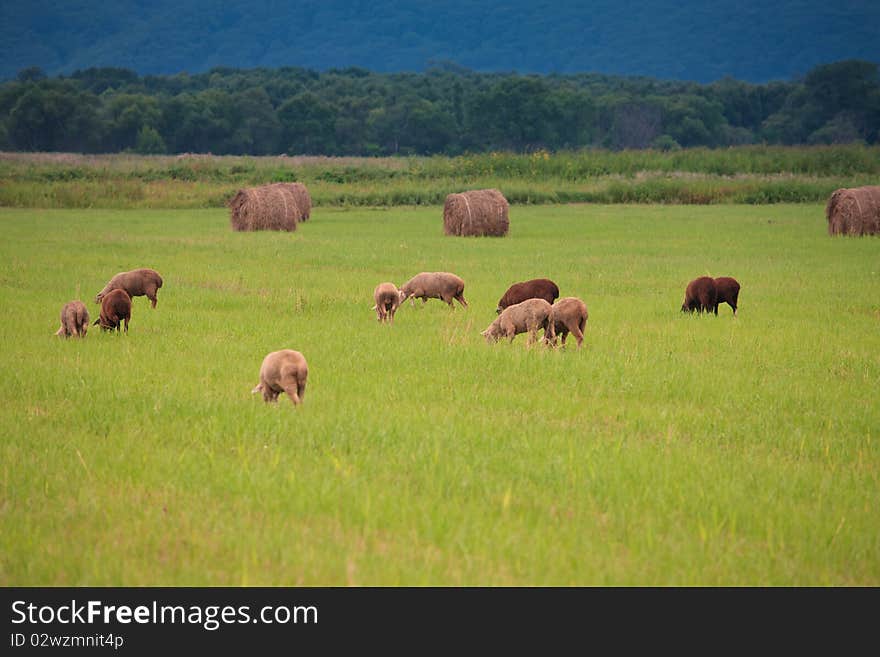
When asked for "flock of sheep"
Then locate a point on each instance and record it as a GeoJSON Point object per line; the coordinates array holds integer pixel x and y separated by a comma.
{"type": "Point", "coordinates": [525, 307]}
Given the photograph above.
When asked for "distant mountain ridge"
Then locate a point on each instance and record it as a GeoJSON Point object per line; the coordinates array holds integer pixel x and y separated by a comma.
{"type": "Point", "coordinates": [749, 40]}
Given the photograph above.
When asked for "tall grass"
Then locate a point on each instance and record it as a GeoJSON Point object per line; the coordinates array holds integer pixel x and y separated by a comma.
{"type": "Point", "coordinates": [698, 176]}
{"type": "Point", "coordinates": [670, 450]}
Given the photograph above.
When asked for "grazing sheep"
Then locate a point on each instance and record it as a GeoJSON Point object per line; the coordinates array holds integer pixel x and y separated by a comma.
{"type": "Point", "coordinates": [727, 291]}
{"type": "Point", "coordinates": [74, 320]}
{"type": "Point", "coordinates": [569, 315]}
{"type": "Point", "coordinates": [137, 283]}
{"type": "Point", "coordinates": [538, 288]}
{"type": "Point", "coordinates": [283, 371]}
{"type": "Point", "coordinates": [700, 295]}
{"type": "Point", "coordinates": [434, 285]}
{"type": "Point", "coordinates": [525, 317]}
{"type": "Point", "coordinates": [115, 307]}
{"type": "Point", "coordinates": [387, 298]}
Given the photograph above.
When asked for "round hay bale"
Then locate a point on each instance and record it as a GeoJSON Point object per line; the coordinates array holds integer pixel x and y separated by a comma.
{"type": "Point", "coordinates": [854, 211]}
{"type": "Point", "coordinates": [481, 212]}
{"type": "Point", "coordinates": [268, 207]}
{"type": "Point", "coordinates": [303, 199]}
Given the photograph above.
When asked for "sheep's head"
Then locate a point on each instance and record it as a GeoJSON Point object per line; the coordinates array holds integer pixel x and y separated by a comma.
{"type": "Point", "coordinates": [492, 333]}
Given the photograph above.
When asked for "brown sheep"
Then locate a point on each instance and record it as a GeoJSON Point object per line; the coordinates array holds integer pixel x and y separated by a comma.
{"type": "Point", "coordinates": [283, 371]}
{"type": "Point", "coordinates": [727, 291]}
{"type": "Point", "coordinates": [138, 283]}
{"type": "Point", "coordinates": [74, 320]}
{"type": "Point", "coordinates": [700, 295]}
{"type": "Point", "coordinates": [537, 288]}
{"type": "Point", "coordinates": [569, 315]}
{"type": "Point", "coordinates": [434, 285]}
{"type": "Point", "coordinates": [115, 307]}
{"type": "Point", "coordinates": [525, 317]}
{"type": "Point", "coordinates": [387, 298]}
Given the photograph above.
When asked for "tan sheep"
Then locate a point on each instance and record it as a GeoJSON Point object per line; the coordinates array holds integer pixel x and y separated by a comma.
{"type": "Point", "coordinates": [388, 298]}
{"type": "Point", "coordinates": [569, 316]}
{"type": "Point", "coordinates": [283, 371]}
{"type": "Point", "coordinates": [74, 320]}
{"type": "Point", "coordinates": [434, 285]}
{"type": "Point", "coordinates": [138, 283]}
{"type": "Point", "coordinates": [525, 317]}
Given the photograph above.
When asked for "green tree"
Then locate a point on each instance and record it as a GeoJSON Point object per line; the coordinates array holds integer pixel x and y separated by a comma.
{"type": "Point", "coordinates": [149, 142]}
{"type": "Point", "coordinates": [308, 125]}
{"type": "Point", "coordinates": [54, 117]}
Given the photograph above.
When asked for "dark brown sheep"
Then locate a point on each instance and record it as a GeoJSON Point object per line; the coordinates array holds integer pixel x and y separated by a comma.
{"type": "Point", "coordinates": [387, 298]}
{"type": "Point", "coordinates": [138, 283]}
{"type": "Point", "coordinates": [74, 320]}
{"type": "Point", "coordinates": [434, 285]}
{"type": "Point", "coordinates": [569, 315]}
{"type": "Point", "coordinates": [700, 295]}
{"type": "Point", "coordinates": [727, 291]}
{"type": "Point", "coordinates": [115, 308]}
{"type": "Point", "coordinates": [537, 288]}
{"type": "Point", "coordinates": [283, 371]}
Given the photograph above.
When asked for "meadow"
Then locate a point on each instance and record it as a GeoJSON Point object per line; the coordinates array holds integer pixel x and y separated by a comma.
{"type": "Point", "coordinates": [670, 450]}
{"type": "Point", "coordinates": [745, 174]}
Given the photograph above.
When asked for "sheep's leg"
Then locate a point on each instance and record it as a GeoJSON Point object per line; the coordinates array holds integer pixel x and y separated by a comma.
{"type": "Point", "coordinates": [151, 295]}
{"type": "Point", "coordinates": [301, 390]}
{"type": "Point", "coordinates": [291, 390]}
{"type": "Point", "coordinates": [126, 324]}
{"type": "Point", "coordinates": [578, 335]}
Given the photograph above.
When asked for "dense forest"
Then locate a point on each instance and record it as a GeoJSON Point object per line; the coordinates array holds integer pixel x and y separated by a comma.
{"type": "Point", "coordinates": [445, 110]}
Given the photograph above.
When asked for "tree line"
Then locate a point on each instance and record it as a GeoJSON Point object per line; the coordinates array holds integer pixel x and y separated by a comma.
{"type": "Point", "coordinates": [445, 110]}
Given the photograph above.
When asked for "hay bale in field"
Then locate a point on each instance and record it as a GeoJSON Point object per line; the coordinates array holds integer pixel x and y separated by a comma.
{"type": "Point", "coordinates": [268, 207]}
{"type": "Point", "coordinates": [854, 211]}
{"type": "Point", "coordinates": [478, 212]}
{"type": "Point", "coordinates": [303, 199]}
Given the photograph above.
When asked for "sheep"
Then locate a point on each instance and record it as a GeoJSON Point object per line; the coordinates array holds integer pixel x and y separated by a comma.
{"type": "Point", "coordinates": [388, 298]}
{"type": "Point", "coordinates": [74, 320]}
{"type": "Point", "coordinates": [525, 317]}
{"type": "Point", "coordinates": [283, 371]}
{"type": "Point", "coordinates": [537, 288]}
{"type": "Point", "coordinates": [727, 291]}
{"type": "Point", "coordinates": [700, 295]}
{"type": "Point", "coordinates": [569, 315]}
{"type": "Point", "coordinates": [434, 285]}
{"type": "Point", "coordinates": [137, 283]}
{"type": "Point", "coordinates": [115, 307]}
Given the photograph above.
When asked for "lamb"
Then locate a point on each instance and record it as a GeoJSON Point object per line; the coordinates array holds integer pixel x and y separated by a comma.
{"type": "Point", "coordinates": [434, 285]}
{"type": "Point", "coordinates": [115, 307]}
{"type": "Point", "coordinates": [537, 288]}
{"type": "Point", "coordinates": [283, 371]}
{"type": "Point", "coordinates": [700, 295]}
{"type": "Point", "coordinates": [137, 283]}
{"type": "Point", "coordinates": [388, 298]}
{"type": "Point", "coordinates": [525, 317]}
{"type": "Point", "coordinates": [74, 320]}
{"type": "Point", "coordinates": [727, 291]}
{"type": "Point", "coordinates": [569, 315]}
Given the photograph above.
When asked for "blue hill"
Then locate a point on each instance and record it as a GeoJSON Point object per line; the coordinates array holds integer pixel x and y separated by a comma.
{"type": "Point", "coordinates": [750, 40]}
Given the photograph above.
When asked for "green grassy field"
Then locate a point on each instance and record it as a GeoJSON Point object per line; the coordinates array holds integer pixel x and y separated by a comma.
{"type": "Point", "coordinates": [671, 450]}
